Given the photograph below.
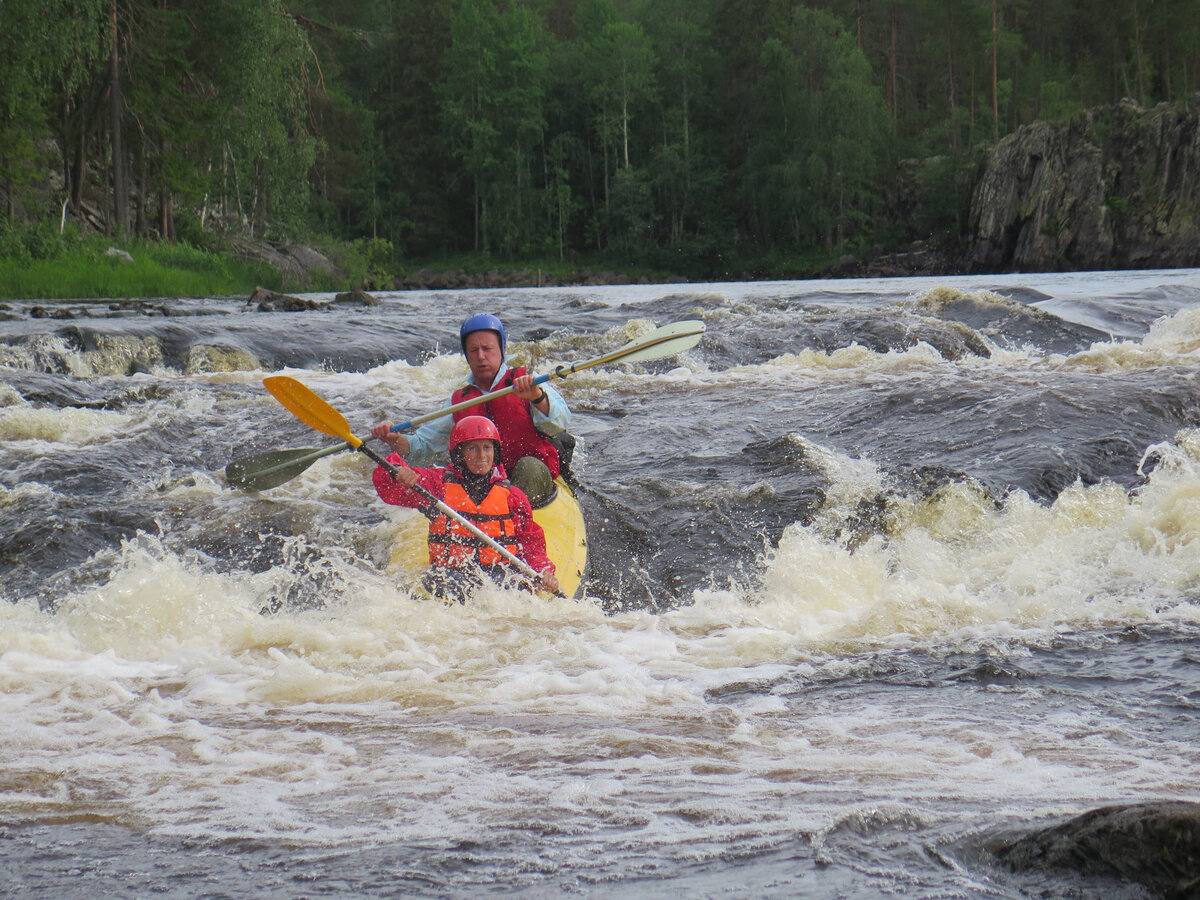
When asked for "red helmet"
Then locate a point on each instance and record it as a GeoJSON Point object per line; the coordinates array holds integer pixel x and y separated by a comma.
{"type": "Point", "coordinates": [474, 428]}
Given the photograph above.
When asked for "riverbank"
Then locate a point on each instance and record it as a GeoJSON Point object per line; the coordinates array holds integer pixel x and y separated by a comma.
{"type": "Point", "coordinates": [37, 262]}
{"type": "Point", "coordinates": [46, 266]}
{"type": "Point", "coordinates": [103, 267]}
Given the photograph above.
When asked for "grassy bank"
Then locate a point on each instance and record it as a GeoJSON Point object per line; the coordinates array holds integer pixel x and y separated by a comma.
{"type": "Point", "coordinates": [49, 267]}
{"type": "Point", "coordinates": [39, 264]}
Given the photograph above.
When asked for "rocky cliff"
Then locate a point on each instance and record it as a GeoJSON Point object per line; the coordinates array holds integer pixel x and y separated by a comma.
{"type": "Point", "coordinates": [1114, 188]}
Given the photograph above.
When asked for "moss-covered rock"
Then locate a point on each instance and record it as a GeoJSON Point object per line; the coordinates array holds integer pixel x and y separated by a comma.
{"type": "Point", "coordinates": [1115, 188]}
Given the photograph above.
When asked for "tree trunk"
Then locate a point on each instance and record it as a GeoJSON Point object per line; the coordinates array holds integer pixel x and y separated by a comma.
{"type": "Point", "coordinates": [973, 98]}
{"type": "Point", "coordinates": [995, 81]}
{"type": "Point", "coordinates": [477, 211]}
{"type": "Point", "coordinates": [78, 165]}
{"type": "Point", "coordinates": [891, 79]}
{"type": "Point", "coordinates": [1139, 55]}
{"type": "Point", "coordinates": [625, 128]}
{"type": "Point", "coordinates": [119, 182]}
{"type": "Point", "coordinates": [139, 205]}
{"type": "Point", "coordinates": [166, 216]}
{"type": "Point", "coordinates": [951, 98]}
{"type": "Point", "coordinates": [685, 105]}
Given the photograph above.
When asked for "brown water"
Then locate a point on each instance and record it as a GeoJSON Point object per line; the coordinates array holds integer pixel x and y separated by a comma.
{"type": "Point", "coordinates": [880, 569]}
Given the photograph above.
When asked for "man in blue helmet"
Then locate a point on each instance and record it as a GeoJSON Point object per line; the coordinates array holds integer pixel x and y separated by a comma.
{"type": "Point", "coordinates": [532, 420]}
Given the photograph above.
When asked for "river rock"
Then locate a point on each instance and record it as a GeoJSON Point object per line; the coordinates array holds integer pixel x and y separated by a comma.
{"type": "Point", "coordinates": [50, 312]}
{"type": "Point", "coordinates": [1115, 188]}
{"type": "Point", "coordinates": [1156, 845]}
{"type": "Point", "coordinates": [273, 301]}
{"type": "Point", "coordinates": [355, 297]}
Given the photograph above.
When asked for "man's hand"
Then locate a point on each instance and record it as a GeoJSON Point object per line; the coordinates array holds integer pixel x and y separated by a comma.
{"type": "Point", "coordinates": [525, 389]}
{"type": "Point", "coordinates": [394, 439]}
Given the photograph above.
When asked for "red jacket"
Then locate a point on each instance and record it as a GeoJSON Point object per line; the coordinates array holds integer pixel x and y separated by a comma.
{"type": "Point", "coordinates": [531, 540]}
{"type": "Point", "coordinates": [514, 421]}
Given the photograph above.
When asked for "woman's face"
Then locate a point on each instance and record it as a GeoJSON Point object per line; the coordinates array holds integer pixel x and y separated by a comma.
{"type": "Point", "coordinates": [478, 455]}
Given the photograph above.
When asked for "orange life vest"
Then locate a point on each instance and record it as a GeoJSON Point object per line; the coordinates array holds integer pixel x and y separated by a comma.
{"type": "Point", "coordinates": [452, 546]}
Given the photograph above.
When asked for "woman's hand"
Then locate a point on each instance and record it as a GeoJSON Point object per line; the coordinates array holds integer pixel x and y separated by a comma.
{"type": "Point", "coordinates": [405, 476]}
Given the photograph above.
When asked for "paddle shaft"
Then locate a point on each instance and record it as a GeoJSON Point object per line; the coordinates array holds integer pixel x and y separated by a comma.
{"type": "Point", "coordinates": [661, 342]}
{"type": "Point", "coordinates": [467, 404]}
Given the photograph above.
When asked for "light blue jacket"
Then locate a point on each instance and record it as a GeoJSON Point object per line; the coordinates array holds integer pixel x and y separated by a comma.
{"type": "Point", "coordinates": [433, 437]}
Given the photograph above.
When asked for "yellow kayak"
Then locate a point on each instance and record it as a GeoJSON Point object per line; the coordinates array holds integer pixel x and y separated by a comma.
{"type": "Point", "coordinates": [566, 542]}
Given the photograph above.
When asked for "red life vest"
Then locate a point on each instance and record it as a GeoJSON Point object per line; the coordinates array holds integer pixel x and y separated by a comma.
{"type": "Point", "coordinates": [452, 546]}
{"type": "Point", "coordinates": [514, 420]}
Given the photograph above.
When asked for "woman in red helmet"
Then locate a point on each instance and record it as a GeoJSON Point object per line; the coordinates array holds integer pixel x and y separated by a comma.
{"type": "Point", "coordinates": [475, 486]}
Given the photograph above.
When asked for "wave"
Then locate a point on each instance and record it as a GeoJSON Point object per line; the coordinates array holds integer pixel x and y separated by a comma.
{"type": "Point", "coordinates": [952, 568]}
{"type": "Point", "coordinates": [958, 564]}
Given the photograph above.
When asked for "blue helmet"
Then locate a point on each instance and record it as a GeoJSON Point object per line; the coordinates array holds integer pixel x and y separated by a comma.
{"type": "Point", "coordinates": [482, 322]}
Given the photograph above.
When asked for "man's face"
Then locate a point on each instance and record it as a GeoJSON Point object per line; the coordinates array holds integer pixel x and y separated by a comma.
{"type": "Point", "coordinates": [482, 349]}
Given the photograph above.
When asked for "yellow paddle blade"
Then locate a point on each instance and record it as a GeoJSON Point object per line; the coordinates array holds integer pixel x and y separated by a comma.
{"type": "Point", "coordinates": [310, 409]}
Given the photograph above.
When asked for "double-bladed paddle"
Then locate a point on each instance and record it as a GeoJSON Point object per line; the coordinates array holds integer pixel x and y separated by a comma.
{"type": "Point", "coordinates": [665, 341]}
{"type": "Point", "coordinates": [316, 413]}
{"type": "Point", "coordinates": [267, 470]}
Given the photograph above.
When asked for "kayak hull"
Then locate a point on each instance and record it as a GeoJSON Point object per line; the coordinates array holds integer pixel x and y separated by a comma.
{"type": "Point", "coordinates": [566, 542]}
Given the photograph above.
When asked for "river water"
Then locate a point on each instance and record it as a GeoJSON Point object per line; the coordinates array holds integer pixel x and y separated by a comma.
{"type": "Point", "coordinates": [881, 569]}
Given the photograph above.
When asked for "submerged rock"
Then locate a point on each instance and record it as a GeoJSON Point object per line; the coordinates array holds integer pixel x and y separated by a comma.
{"type": "Point", "coordinates": [1156, 845]}
{"type": "Point", "coordinates": [355, 297]}
{"type": "Point", "coordinates": [207, 358]}
{"type": "Point", "coordinates": [273, 301]}
{"type": "Point", "coordinates": [50, 312]}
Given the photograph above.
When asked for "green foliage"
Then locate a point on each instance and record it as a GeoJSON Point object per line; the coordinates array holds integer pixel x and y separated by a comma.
{"type": "Point", "coordinates": [632, 216]}
{"type": "Point", "coordinates": [823, 132]}
{"type": "Point", "coordinates": [681, 133]}
{"type": "Point", "coordinates": [371, 262]}
{"type": "Point", "coordinates": [23, 243]}
{"type": "Point", "coordinates": [619, 68]}
{"type": "Point", "coordinates": [937, 195]}
{"type": "Point", "coordinates": [491, 97]}
{"type": "Point", "coordinates": [257, 60]}
{"type": "Point", "coordinates": [49, 46]}
{"type": "Point", "coordinates": [40, 63]}
{"type": "Point", "coordinates": [188, 231]}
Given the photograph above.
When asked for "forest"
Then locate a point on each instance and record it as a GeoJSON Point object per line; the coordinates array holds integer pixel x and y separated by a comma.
{"type": "Point", "coordinates": [673, 133]}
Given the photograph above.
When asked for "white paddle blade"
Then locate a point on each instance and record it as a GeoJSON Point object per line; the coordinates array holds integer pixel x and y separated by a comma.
{"type": "Point", "coordinates": [665, 341]}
